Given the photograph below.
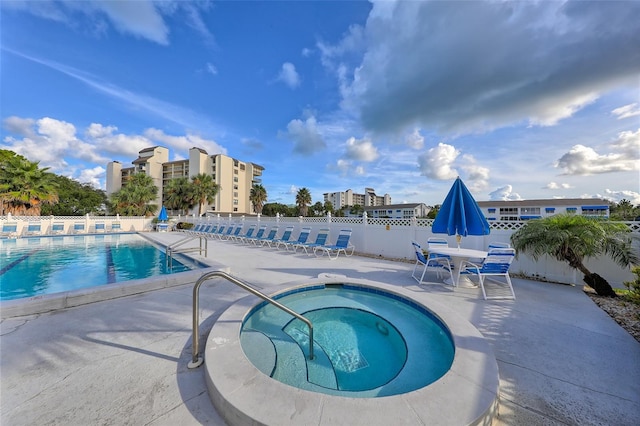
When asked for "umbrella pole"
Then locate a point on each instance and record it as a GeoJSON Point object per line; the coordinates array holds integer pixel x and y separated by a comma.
{"type": "Point", "coordinates": [458, 239]}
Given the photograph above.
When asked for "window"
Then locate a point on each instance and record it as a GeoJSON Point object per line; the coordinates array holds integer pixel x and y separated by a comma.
{"type": "Point", "coordinates": [235, 202]}
{"type": "Point", "coordinates": [571, 209]}
{"type": "Point", "coordinates": [530, 210]}
{"type": "Point", "coordinates": [509, 210]}
{"type": "Point", "coordinates": [493, 210]}
{"type": "Point", "coordinates": [235, 178]}
{"type": "Point", "coordinates": [550, 210]}
{"type": "Point", "coordinates": [235, 172]}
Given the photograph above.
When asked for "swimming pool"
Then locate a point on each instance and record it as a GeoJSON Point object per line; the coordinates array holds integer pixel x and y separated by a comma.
{"type": "Point", "coordinates": [48, 265]}
{"type": "Point", "coordinates": [368, 343]}
{"type": "Point", "coordinates": [243, 394]}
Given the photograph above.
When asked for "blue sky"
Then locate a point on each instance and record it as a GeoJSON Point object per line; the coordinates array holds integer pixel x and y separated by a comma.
{"type": "Point", "coordinates": [523, 100]}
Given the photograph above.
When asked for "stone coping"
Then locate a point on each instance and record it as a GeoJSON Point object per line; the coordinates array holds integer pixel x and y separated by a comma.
{"type": "Point", "coordinates": [466, 395]}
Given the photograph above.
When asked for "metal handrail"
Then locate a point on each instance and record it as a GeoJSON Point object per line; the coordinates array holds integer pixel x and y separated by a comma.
{"type": "Point", "coordinates": [197, 360]}
{"type": "Point", "coordinates": [172, 248]}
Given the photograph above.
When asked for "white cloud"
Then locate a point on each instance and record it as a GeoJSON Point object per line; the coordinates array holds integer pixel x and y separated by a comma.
{"type": "Point", "coordinates": [437, 162]}
{"type": "Point", "coordinates": [305, 136]}
{"type": "Point", "coordinates": [583, 160]}
{"type": "Point", "coordinates": [617, 196]}
{"type": "Point", "coordinates": [184, 143]}
{"type": "Point", "coordinates": [139, 18]}
{"type": "Point", "coordinates": [361, 150]}
{"type": "Point", "coordinates": [504, 193]}
{"type": "Point", "coordinates": [415, 140]}
{"type": "Point", "coordinates": [111, 142]}
{"type": "Point", "coordinates": [555, 185]}
{"type": "Point", "coordinates": [211, 69]}
{"type": "Point", "coordinates": [477, 177]}
{"type": "Point", "coordinates": [289, 76]}
{"type": "Point", "coordinates": [475, 66]}
{"type": "Point", "coordinates": [631, 110]}
{"type": "Point", "coordinates": [93, 176]}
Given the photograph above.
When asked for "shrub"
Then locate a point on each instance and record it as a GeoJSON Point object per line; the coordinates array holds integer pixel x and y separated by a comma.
{"type": "Point", "coordinates": [634, 286]}
{"type": "Point", "coordinates": [184, 225]}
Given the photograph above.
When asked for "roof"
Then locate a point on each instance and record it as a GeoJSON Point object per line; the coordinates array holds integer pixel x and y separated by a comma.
{"type": "Point", "coordinates": [396, 206]}
{"type": "Point", "coordinates": [545, 203]}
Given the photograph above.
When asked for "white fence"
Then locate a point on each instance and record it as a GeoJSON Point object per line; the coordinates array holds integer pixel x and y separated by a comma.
{"type": "Point", "coordinates": [386, 238]}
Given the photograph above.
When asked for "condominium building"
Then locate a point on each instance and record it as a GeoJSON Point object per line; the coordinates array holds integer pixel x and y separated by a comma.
{"type": "Point", "coordinates": [398, 211]}
{"type": "Point", "coordinates": [534, 209]}
{"type": "Point", "coordinates": [348, 198]}
{"type": "Point", "coordinates": [235, 178]}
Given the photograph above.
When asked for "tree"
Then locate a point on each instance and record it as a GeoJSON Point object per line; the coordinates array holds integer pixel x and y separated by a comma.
{"type": "Point", "coordinates": [76, 199]}
{"type": "Point", "coordinates": [204, 190]}
{"type": "Point", "coordinates": [357, 210]}
{"type": "Point", "coordinates": [179, 194]}
{"type": "Point", "coordinates": [574, 238]}
{"type": "Point", "coordinates": [272, 209]}
{"type": "Point", "coordinates": [303, 199]}
{"type": "Point", "coordinates": [328, 207]}
{"type": "Point", "coordinates": [258, 196]}
{"type": "Point", "coordinates": [624, 210]}
{"type": "Point", "coordinates": [134, 197]}
{"type": "Point", "coordinates": [24, 186]}
{"type": "Point", "coordinates": [317, 209]}
{"type": "Point", "coordinates": [433, 212]}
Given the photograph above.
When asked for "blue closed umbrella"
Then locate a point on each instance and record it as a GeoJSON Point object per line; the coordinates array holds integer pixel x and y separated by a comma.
{"type": "Point", "coordinates": [163, 217]}
{"type": "Point", "coordinates": [460, 215]}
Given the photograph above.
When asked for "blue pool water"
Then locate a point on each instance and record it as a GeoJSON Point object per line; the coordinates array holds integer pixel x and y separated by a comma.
{"type": "Point", "coordinates": [48, 265]}
{"type": "Point", "coordinates": [367, 343]}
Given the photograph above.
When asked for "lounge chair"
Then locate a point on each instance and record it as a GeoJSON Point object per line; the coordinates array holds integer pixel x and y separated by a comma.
{"type": "Point", "coordinates": [302, 238]}
{"type": "Point", "coordinates": [225, 235]}
{"type": "Point", "coordinates": [321, 239]}
{"type": "Point", "coordinates": [435, 263]}
{"type": "Point", "coordinates": [496, 264]}
{"type": "Point", "coordinates": [57, 228]}
{"type": "Point", "coordinates": [258, 235]}
{"type": "Point", "coordinates": [78, 228]}
{"type": "Point", "coordinates": [9, 230]}
{"type": "Point", "coordinates": [218, 232]}
{"type": "Point", "coordinates": [208, 231]}
{"type": "Point", "coordinates": [99, 227]}
{"type": "Point", "coordinates": [342, 245]}
{"type": "Point", "coordinates": [271, 237]}
{"type": "Point", "coordinates": [33, 229]}
{"type": "Point", "coordinates": [197, 229]}
{"type": "Point", "coordinates": [162, 227]}
{"type": "Point", "coordinates": [284, 239]}
{"type": "Point", "coordinates": [235, 234]}
{"type": "Point", "coordinates": [248, 234]}
{"type": "Point", "coordinates": [116, 227]}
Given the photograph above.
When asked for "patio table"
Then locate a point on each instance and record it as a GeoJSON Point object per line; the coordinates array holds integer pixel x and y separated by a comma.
{"type": "Point", "coordinates": [458, 255]}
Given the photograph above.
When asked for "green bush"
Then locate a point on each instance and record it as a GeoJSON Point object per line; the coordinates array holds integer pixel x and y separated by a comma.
{"type": "Point", "coordinates": [184, 225]}
{"type": "Point", "coordinates": [634, 286]}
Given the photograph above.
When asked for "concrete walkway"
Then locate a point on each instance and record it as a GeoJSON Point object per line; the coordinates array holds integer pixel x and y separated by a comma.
{"type": "Point", "coordinates": [561, 359]}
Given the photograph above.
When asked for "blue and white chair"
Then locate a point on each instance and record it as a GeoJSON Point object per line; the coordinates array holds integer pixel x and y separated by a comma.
{"type": "Point", "coordinates": [259, 234]}
{"type": "Point", "coordinates": [435, 263]}
{"type": "Point", "coordinates": [115, 227]}
{"type": "Point", "coordinates": [99, 227]}
{"type": "Point", "coordinates": [9, 230]}
{"type": "Point", "coordinates": [57, 228]}
{"type": "Point", "coordinates": [302, 238]}
{"type": "Point", "coordinates": [496, 264]}
{"type": "Point", "coordinates": [248, 234]}
{"type": "Point", "coordinates": [33, 229]}
{"type": "Point", "coordinates": [78, 228]}
{"type": "Point", "coordinates": [342, 245]}
{"type": "Point", "coordinates": [284, 239]}
{"type": "Point", "coordinates": [271, 236]}
{"type": "Point", "coordinates": [321, 239]}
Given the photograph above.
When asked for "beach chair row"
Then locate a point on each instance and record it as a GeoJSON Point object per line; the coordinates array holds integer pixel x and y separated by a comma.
{"type": "Point", "coordinates": [259, 236]}
{"type": "Point", "coordinates": [10, 229]}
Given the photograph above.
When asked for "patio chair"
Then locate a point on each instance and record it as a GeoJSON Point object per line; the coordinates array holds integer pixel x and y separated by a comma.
{"type": "Point", "coordinates": [116, 227]}
{"type": "Point", "coordinates": [321, 240]}
{"type": "Point", "coordinates": [162, 227]}
{"type": "Point", "coordinates": [286, 236]}
{"type": "Point", "coordinates": [258, 235]}
{"type": "Point", "coordinates": [218, 232]}
{"type": "Point", "coordinates": [197, 229]}
{"type": "Point", "coordinates": [247, 234]}
{"type": "Point", "coordinates": [78, 228]}
{"type": "Point", "coordinates": [57, 228]}
{"type": "Point", "coordinates": [99, 227]}
{"type": "Point", "coordinates": [302, 238]}
{"type": "Point", "coordinates": [271, 237]}
{"type": "Point", "coordinates": [436, 263]}
{"type": "Point", "coordinates": [236, 233]}
{"type": "Point", "coordinates": [33, 229]}
{"type": "Point", "coordinates": [342, 245]}
{"type": "Point", "coordinates": [435, 242]}
{"type": "Point", "coordinates": [496, 264]}
{"type": "Point", "coordinates": [226, 235]}
{"type": "Point", "coordinates": [9, 230]}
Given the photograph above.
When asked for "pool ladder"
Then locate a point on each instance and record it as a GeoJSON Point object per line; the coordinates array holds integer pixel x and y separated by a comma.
{"type": "Point", "coordinates": [196, 359]}
{"type": "Point", "coordinates": [171, 250]}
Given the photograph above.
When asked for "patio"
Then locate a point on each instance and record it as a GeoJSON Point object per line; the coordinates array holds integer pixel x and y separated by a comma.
{"type": "Point", "coordinates": [561, 359]}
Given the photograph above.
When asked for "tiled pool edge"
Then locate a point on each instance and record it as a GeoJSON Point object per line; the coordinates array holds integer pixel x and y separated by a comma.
{"type": "Point", "coordinates": [466, 395]}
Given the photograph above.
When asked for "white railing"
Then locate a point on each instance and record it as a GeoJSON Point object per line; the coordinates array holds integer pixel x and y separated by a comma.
{"type": "Point", "coordinates": [385, 238]}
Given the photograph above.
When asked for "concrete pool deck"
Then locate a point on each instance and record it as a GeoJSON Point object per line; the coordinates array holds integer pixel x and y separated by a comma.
{"type": "Point", "coordinates": [561, 359]}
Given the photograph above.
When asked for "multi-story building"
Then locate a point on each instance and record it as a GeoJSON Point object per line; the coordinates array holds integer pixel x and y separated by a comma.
{"type": "Point", "coordinates": [235, 178]}
{"type": "Point", "coordinates": [348, 198]}
{"type": "Point", "coordinates": [534, 209]}
{"type": "Point", "coordinates": [398, 211]}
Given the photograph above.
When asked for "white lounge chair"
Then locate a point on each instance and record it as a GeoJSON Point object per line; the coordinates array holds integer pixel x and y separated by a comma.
{"type": "Point", "coordinates": [33, 229]}
{"type": "Point", "coordinates": [496, 264]}
{"type": "Point", "coordinates": [9, 230]}
{"type": "Point", "coordinates": [321, 240]}
{"type": "Point", "coordinates": [342, 245]}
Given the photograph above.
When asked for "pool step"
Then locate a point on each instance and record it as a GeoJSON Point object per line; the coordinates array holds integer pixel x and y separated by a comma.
{"type": "Point", "coordinates": [260, 350]}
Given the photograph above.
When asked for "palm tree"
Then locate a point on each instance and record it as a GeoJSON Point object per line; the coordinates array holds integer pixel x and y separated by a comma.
{"type": "Point", "coordinates": [134, 197]}
{"type": "Point", "coordinates": [24, 186]}
{"type": "Point", "coordinates": [178, 194]}
{"type": "Point", "coordinates": [357, 210]}
{"type": "Point", "coordinates": [573, 238]}
{"type": "Point", "coordinates": [204, 190]}
{"type": "Point", "coordinates": [303, 199]}
{"type": "Point", "coordinates": [258, 197]}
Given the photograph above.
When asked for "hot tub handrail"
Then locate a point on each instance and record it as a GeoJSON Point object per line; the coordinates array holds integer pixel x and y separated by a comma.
{"type": "Point", "coordinates": [197, 360]}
